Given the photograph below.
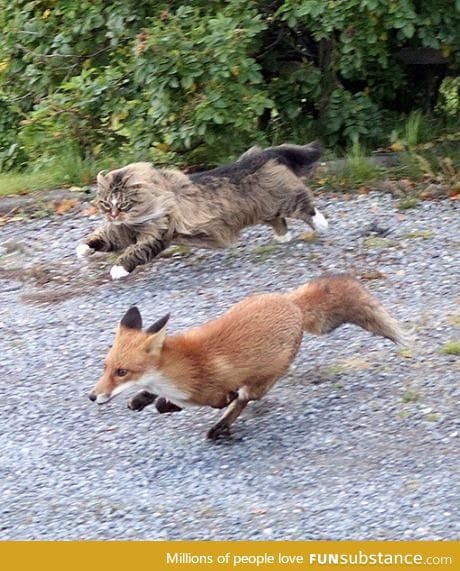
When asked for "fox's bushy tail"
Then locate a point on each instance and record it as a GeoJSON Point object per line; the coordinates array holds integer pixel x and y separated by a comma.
{"type": "Point", "coordinates": [330, 301]}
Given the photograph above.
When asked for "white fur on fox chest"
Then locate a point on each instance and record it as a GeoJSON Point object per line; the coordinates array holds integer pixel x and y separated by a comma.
{"type": "Point", "coordinates": [156, 383]}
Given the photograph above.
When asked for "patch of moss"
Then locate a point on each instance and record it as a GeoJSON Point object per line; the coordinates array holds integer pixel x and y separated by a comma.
{"type": "Point", "coordinates": [176, 251]}
{"type": "Point", "coordinates": [407, 202]}
{"type": "Point", "coordinates": [406, 353]}
{"type": "Point", "coordinates": [261, 253]}
{"type": "Point", "coordinates": [423, 234]}
{"type": "Point", "coordinates": [377, 242]}
{"type": "Point", "coordinates": [451, 348]}
{"type": "Point", "coordinates": [410, 396]}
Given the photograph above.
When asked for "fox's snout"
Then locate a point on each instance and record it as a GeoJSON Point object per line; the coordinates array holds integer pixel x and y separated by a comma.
{"type": "Point", "coordinates": [99, 399]}
{"type": "Point", "coordinates": [102, 391]}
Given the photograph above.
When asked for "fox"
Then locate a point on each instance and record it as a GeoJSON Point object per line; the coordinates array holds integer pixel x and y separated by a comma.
{"type": "Point", "coordinates": [237, 357]}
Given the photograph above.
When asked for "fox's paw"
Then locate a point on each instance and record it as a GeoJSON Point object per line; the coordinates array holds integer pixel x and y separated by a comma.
{"type": "Point", "coordinates": [83, 251]}
{"type": "Point", "coordinates": [221, 430]}
{"type": "Point", "coordinates": [164, 405]}
{"type": "Point", "coordinates": [118, 272]}
{"type": "Point", "coordinates": [141, 400]}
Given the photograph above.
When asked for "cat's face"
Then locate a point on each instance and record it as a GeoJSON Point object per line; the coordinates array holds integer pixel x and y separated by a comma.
{"type": "Point", "coordinates": [115, 206]}
{"type": "Point", "coordinates": [122, 197]}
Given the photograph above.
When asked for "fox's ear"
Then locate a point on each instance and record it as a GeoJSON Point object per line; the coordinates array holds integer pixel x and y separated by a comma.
{"type": "Point", "coordinates": [132, 319]}
{"type": "Point", "coordinates": [159, 325]}
{"type": "Point", "coordinates": [157, 335]}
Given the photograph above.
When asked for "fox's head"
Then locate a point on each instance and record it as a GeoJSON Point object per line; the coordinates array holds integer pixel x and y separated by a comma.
{"type": "Point", "coordinates": [134, 355]}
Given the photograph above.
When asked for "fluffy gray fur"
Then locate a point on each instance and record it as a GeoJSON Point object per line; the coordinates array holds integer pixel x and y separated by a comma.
{"type": "Point", "coordinates": [147, 209]}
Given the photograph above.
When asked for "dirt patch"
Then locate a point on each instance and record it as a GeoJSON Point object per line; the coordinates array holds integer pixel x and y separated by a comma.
{"type": "Point", "coordinates": [49, 285]}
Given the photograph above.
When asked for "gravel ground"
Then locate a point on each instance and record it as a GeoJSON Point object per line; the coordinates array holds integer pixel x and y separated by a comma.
{"type": "Point", "coordinates": [359, 441]}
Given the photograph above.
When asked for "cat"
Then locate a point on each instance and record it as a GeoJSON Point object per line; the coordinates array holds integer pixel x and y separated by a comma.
{"type": "Point", "coordinates": [147, 209]}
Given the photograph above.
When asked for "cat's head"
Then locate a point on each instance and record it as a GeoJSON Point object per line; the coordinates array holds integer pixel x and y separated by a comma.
{"type": "Point", "coordinates": [130, 195]}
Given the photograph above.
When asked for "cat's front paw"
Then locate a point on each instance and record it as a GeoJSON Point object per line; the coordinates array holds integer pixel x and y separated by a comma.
{"type": "Point", "coordinates": [118, 272]}
{"type": "Point", "coordinates": [83, 251]}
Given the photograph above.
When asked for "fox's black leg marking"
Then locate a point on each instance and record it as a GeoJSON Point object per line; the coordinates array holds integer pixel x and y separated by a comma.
{"type": "Point", "coordinates": [164, 405]}
{"type": "Point", "coordinates": [222, 427]}
{"type": "Point", "coordinates": [141, 400]}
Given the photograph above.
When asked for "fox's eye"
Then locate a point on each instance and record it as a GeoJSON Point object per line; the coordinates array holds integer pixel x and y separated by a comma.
{"type": "Point", "coordinates": [121, 372]}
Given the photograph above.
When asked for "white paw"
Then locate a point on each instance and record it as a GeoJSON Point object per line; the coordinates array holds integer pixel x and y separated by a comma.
{"type": "Point", "coordinates": [319, 222]}
{"type": "Point", "coordinates": [283, 237]}
{"type": "Point", "coordinates": [118, 272]}
{"type": "Point", "coordinates": [83, 251]}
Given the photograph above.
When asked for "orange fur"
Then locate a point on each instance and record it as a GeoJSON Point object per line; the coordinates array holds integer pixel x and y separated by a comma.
{"type": "Point", "coordinates": [237, 357]}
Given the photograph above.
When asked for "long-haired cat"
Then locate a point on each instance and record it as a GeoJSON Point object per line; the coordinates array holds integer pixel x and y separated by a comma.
{"type": "Point", "coordinates": [147, 209]}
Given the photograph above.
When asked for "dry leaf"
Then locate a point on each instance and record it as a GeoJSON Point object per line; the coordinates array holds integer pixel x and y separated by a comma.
{"type": "Point", "coordinates": [372, 275]}
{"type": "Point", "coordinates": [90, 211]}
{"type": "Point", "coordinates": [397, 147]}
{"type": "Point", "coordinates": [308, 237]}
{"type": "Point", "coordinates": [64, 205]}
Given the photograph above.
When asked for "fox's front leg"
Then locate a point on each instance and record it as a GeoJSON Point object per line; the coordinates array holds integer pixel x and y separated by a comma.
{"type": "Point", "coordinates": [141, 400]}
{"type": "Point", "coordinates": [145, 250]}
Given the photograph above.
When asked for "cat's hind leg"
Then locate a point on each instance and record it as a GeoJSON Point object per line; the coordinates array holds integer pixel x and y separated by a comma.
{"type": "Point", "coordinates": [300, 206]}
{"type": "Point", "coordinates": [280, 229]}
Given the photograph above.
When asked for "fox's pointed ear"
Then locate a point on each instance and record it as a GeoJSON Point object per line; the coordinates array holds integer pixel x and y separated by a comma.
{"type": "Point", "coordinates": [159, 325]}
{"type": "Point", "coordinates": [157, 335]}
{"type": "Point", "coordinates": [132, 319]}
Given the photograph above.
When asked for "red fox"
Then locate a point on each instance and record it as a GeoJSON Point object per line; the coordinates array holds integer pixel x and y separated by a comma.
{"type": "Point", "coordinates": [238, 356]}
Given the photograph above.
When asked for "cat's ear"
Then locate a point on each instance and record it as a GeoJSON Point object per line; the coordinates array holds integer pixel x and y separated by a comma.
{"type": "Point", "coordinates": [132, 319]}
{"type": "Point", "coordinates": [101, 179]}
{"type": "Point", "coordinates": [157, 336]}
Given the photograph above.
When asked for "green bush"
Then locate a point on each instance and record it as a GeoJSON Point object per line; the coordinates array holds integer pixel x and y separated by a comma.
{"type": "Point", "coordinates": [199, 82]}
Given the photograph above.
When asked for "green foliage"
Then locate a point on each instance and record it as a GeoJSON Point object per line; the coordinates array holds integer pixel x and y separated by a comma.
{"type": "Point", "coordinates": [199, 82]}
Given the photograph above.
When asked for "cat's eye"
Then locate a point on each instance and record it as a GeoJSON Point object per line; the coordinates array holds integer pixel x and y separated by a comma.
{"type": "Point", "coordinates": [104, 204]}
{"type": "Point", "coordinates": [124, 205]}
{"type": "Point", "coordinates": [121, 372]}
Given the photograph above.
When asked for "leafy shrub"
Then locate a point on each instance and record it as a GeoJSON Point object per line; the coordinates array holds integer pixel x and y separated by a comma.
{"type": "Point", "coordinates": [198, 82]}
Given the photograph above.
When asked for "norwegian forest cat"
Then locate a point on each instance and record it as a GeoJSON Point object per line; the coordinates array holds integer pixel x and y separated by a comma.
{"type": "Point", "coordinates": [147, 209]}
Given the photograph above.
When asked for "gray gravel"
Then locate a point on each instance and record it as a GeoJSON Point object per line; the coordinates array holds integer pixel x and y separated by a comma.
{"type": "Point", "coordinates": [358, 441]}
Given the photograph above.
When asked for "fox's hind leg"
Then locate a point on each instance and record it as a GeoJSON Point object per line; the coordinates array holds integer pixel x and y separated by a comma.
{"type": "Point", "coordinates": [280, 229]}
{"type": "Point", "coordinates": [246, 393]}
{"type": "Point", "coordinates": [222, 427]}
